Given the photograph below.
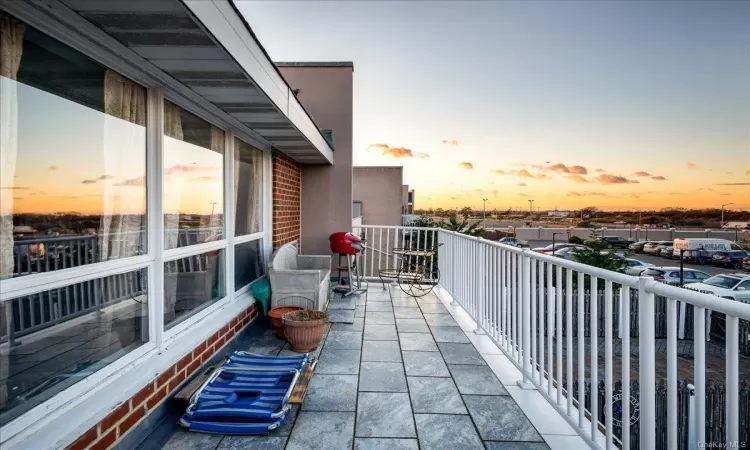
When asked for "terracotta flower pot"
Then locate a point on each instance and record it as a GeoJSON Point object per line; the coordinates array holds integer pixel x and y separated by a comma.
{"type": "Point", "coordinates": [276, 314]}
{"type": "Point", "coordinates": [304, 329]}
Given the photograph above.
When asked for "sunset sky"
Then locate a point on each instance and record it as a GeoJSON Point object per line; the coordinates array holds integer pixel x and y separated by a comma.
{"type": "Point", "coordinates": [613, 104]}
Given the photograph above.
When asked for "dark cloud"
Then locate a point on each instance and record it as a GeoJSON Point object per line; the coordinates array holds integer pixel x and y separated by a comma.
{"type": "Point", "coordinates": [732, 184]}
{"type": "Point", "coordinates": [641, 174]}
{"type": "Point", "coordinates": [586, 194]}
{"type": "Point", "coordinates": [521, 184]}
{"type": "Point", "coordinates": [14, 187]}
{"type": "Point", "coordinates": [659, 178]}
{"type": "Point", "coordinates": [106, 177]}
{"type": "Point", "coordinates": [466, 165]}
{"type": "Point", "coordinates": [88, 182]}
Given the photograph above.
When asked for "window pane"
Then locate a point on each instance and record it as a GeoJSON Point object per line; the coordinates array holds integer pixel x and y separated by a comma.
{"type": "Point", "coordinates": [248, 188]}
{"type": "Point", "coordinates": [61, 336]}
{"type": "Point", "coordinates": [248, 263]}
{"type": "Point", "coordinates": [72, 178]}
{"type": "Point", "coordinates": [191, 284]}
{"type": "Point", "coordinates": [193, 179]}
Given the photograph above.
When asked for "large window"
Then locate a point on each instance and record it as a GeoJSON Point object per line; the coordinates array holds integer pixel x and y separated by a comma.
{"type": "Point", "coordinates": [82, 292]}
{"type": "Point", "coordinates": [192, 283]}
{"type": "Point", "coordinates": [60, 336]}
{"type": "Point", "coordinates": [193, 178]}
{"type": "Point", "coordinates": [73, 171]}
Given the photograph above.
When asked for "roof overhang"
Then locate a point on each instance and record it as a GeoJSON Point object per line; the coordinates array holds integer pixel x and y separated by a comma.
{"type": "Point", "coordinates": [206, 46]}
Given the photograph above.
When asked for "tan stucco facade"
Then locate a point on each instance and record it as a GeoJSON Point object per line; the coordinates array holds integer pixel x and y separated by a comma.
{"type": "Point", "coordinates": [380, 191]}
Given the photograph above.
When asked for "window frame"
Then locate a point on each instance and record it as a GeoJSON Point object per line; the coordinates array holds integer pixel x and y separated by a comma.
{"type": "Point", "coordinates": [125, 376]}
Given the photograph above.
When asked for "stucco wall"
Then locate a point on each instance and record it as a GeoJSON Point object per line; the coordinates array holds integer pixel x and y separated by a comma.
{"type": "Point", "coordinates": [326, 94]}
{"type": "Point", "coordinates": [381, 192]}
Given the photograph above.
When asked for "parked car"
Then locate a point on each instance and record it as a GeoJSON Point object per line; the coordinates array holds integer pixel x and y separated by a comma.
{"type": "Point", "coordinates": [616, 241]}
{"type": "Point", "coordinates": [651, 247]}
{"type": "Point", "coordinates": [746, 263]}
{"type": "Point", "coordinates": [729, 286]}
{"type": "Point", "coordinates": [701, 250]}
{"type": "Point", "coordinates": [637, 247]}
{"type": "Point", "coordinates": [729, 259]}
{"type": "Point", "coordinates": [635, 267]}
{"type": "Point", "coordinates": [514, 242]}
{"type": "Point", "coordinates": [671, 275]}
{"type": "Point", "coordinates": [549, 249]}
{"type": "Point", "coordinates": [568, 253]}
{"type": "Point", "coordinates": [664, 250]}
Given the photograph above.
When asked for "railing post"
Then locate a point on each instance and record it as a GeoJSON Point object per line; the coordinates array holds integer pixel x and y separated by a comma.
{"type": "Point", "coordinates": [647, 365]}
{"type": "Point", "coordinates": [453, 267]}
{"type": "Point", "coordinates": [691, 417]}
{"type": "Point", "coordinates": [478, 286]}
{"type": "Point", "coordinates": [526, 383]}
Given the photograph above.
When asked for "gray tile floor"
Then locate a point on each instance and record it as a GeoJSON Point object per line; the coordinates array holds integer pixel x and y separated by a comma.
{"type": "Point", "coordinates": [404, 378]}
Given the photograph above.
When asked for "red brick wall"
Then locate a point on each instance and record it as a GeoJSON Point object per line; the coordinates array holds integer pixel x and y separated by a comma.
{"type": "Point", "coordinates": [287, 196]}
{"type": "Point", "coordinates": [123, 418]}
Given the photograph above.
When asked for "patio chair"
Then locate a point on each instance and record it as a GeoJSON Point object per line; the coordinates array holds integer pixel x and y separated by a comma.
{"type": "Point", "coordinates": [306, 277]}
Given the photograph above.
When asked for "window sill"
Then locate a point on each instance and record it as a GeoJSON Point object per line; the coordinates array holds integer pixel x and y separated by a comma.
{"type": "Point", "coordinates": [61, 420]}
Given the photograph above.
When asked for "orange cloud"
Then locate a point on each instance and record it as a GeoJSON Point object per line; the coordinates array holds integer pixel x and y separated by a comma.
{"type": "Point", "coordinates": [52, 168]}
{"type": "Point", "coordinates": [523, 173]}
{"type": "Point", "coordinates": [466, 165]}
{"type": "Point", "coordinates": [747, 172]}
{"type": "Point", "coordinates": [613, 179]}
{"type": "Point", "coordinates": [190, 168]}
{"type": "Point", "coordinates": [453, 142]}
{"type": "Point", "coordinates": [691, 165]}
{"type": "Point", "coordinates": [396, 152]}
{"type": "Point", "coordinates": [586, 194]}
{"type": "Point", "coordinates": [562, 168]}
{"type": "Point", "coordinates": [577, 178]}
{"type": "Point", "coordinates": [641, 174]}
{"type": "Point", "coordinates": [659, 178]}
{"type": "Point", "coordinates": [140, 181]}
{"type": "Point", "coordinates": [422, 155]}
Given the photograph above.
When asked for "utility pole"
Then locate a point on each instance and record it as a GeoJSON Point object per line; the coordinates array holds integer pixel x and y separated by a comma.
{"type": "Point", "coordinates": [484, 212]}
{"type": "Point", "coordinates": [722, 214]}
{"type": "Point", "coordinates": [213, 205]}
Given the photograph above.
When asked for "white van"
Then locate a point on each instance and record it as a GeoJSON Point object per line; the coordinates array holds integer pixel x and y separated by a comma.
{"type": "Point", "coordinates": [701, 250]}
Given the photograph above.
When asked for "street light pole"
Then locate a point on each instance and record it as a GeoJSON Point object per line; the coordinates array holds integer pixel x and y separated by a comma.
{"type": "Point", "coordinates": [722, 213]}
{"type": "Point", "coordinates": [484, 212]}
{"type": "Point", "coordinates": [553, 243]}
{"type": "Point", "coordinates": [531, 208]}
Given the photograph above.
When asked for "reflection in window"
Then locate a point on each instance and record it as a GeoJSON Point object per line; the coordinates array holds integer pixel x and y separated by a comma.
{"type": "Point", "coordinates": [63, 335]}
{"type": "Point", "coordinates": [72, 181]}
{"type": "Point", "coordinates": [248, 188]}
{"type": "Point", "coordinates": [248, 263]}
{"type": "Point", "coordinates": [193, 179]}
{"type": "Point", "coordinates": [191, 284]}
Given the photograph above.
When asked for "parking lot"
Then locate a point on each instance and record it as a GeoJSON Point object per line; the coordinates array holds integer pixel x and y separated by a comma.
{"type": "Point", "coordinates": [659, 261]}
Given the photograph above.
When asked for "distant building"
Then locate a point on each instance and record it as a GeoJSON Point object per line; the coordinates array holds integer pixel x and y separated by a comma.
{"type": "Point", "coordinates": [383, 197]}
{"type": "Point", "coordinates": [556, 213]}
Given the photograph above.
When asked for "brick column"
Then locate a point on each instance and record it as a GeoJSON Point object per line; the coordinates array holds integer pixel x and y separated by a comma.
{"type": "Point", "coordinates": [287, 200]}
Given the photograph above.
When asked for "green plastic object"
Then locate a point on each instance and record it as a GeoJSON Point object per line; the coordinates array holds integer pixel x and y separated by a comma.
{"type": "Point", "coordinates": [262, 293]}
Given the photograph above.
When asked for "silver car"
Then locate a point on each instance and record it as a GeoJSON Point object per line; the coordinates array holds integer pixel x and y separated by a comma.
{"type": "Point", "coordinates": [671, 275]}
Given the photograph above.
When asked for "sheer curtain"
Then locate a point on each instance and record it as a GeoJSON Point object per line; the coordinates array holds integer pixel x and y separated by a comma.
{"type": "Point", "coordinates": [121, 231]}
{"type": "Point", "coordinates": [248, 169]}
{"type": "Point", "coordinates": [11, 50]}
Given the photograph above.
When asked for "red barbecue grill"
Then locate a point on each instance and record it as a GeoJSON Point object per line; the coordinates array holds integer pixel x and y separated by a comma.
{"type": "Point", "coordinates": [350, 246]}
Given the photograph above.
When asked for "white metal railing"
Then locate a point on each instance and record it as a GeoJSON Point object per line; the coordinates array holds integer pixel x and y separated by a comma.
{"type": "Point", "coordinates": [548, 315]}
{"type": "Point", "coordinates": [381, 240]}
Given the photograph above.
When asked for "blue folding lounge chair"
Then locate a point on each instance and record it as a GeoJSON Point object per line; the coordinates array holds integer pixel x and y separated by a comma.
{"type": "Point", "coordinates": [248, 395]}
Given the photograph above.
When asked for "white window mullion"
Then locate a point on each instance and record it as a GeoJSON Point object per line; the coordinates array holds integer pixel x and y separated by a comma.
{"type": "Point", "coordinates": [155, 208]}
{"type": "Point", "coordinates": [267, 206]}
{"type": "Point", "coordinates": [229, 211]}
